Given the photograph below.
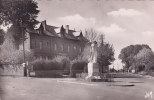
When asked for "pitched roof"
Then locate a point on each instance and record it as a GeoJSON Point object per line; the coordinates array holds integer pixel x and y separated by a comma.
{"type": "Point", "coordinates": [48, 29]}
{"type": "Point", "coordinates": [69, 35]}
{"type": "Point", "coordinates": [82, 38]}
{"type": "Point", "coordinates": [31, 30]}
{"type": "Point", "coordinates": [62, 32]}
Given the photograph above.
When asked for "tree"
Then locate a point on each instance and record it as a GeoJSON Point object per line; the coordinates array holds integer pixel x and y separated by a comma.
{"type": "Point", "coordinates": [91, 35]}
{"type": "Point", "coordinates": [105, 56]}
{"type": "Point", "coordinates": [19, 13]}
{"type": "Point", "coordinates": [9, 54]}
{"type": "Point", "coordinates": [105, 50]}
{"type": "Point", "coordinates": [1, 36]}
{"type": "Point", "coordinates": [127, 54]}
{"type": "Point", "coordinates": [145, 58]}
{"type": "Point", "coordinates": [15, 11]}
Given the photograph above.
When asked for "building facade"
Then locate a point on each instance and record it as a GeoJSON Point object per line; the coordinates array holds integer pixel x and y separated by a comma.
{"type": "Point", "coordinates": [49, 41]}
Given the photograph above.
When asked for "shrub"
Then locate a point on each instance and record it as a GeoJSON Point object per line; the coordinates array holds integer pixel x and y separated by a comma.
{"type": "Point", "coordinates": [9, 54]}
{"type": "Point", "coordinates": [79, 65]}
{"type": "Point", "coordinates": [39, 64]}
{"type": "Point", "coordinates": [55, 64]}
{"type": "Point", "coordinates": [60, 59]}
{"type": "Point", "coordinates": [152, 68]}
{"type": "Point", "coordinates": [65, 61]}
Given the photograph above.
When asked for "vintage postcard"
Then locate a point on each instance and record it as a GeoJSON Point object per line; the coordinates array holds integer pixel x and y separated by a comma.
{"type": "Point", "coordinates": [76, 49]}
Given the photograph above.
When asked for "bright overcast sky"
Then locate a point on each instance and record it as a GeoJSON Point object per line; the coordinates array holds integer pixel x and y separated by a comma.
{"type": "Point", "coordinates": [124, 22]}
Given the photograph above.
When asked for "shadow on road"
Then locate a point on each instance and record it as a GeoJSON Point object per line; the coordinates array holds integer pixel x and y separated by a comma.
{"type": "Point", "coordinates": [124, 85]}
{"type": "Point", "coordinates": [136, 82]}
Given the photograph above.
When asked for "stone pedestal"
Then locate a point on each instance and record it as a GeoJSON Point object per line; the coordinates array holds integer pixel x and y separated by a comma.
{"type": "Point", "coordinates": [93, 71]}
{"type": "Point", "coordinates": [93, 68]}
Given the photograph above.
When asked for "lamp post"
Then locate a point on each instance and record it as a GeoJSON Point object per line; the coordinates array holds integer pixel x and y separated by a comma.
{"type": "Point", "coordinates": [23, 44]}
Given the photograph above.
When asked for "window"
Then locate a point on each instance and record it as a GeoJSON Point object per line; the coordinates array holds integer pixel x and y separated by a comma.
{"type": "Point", "coordinates": [33, 45]}
{"type": "Point", "coordinates": [55, 47]}
{"type": "Point", "coordinates": [47, 43]}
{"type": "Point", "coordinates": [41, 57]}
{"type": "Point", "coordinates": [74, 47]}
{"type": "Point", "coordinates": [40, 45]}
{"type": "Point", "coordinates": [80, 49]}
{"type": "Point", "coordinates": [46, 58]}
{"type": "Point", "coordinates": [68, 48]}
{"type": "Point", "coordinates": [62, 47]}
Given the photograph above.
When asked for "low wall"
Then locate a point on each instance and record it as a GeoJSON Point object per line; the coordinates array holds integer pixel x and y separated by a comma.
{"type": "Point", "coordinates": [49, 73]}
{"type": "Point", "coordinates": [54, 73]}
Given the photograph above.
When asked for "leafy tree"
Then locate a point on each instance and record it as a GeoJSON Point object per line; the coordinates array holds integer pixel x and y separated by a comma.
{"type": "Point", "coordinates": [127, 54]}
{"type": "Point", "coordinates": [145, 58]}
{"type": "Point", "coordinates": [19, 13]}
{"type": "Point", "coordinates": [85, 55]}
{"type": "Point", "coordinates": [1, 36]}
{"type": "Point", "coordinates": [15, 11]}
{"type": "Point", "coordinates": [9, 54]}
{"type": "Point", "coordinates": [105, 56]}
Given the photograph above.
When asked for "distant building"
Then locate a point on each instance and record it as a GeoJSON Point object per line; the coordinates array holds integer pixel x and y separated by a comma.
{"type": "Point", "coordinates": [49, 41]}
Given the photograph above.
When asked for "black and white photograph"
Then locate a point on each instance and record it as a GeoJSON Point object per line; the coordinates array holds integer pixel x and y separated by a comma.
{"type": "Point", "coordinates": [76, 49]}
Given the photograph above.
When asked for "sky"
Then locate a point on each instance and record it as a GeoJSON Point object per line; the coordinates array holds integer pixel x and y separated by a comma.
{"type": "Point", "coordinates": [123, 22]}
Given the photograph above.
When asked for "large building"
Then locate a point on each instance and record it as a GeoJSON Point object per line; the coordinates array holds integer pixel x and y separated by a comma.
{"type": "Point", "coordinates": [49, 41]}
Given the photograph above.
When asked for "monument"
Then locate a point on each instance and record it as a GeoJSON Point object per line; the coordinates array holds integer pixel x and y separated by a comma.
{"type": "Point", "coordinates": [93, 66]}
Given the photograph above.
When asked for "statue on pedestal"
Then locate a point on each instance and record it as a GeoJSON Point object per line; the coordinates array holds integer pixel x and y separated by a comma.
{"type": "Point", "coordinates": [93, 52]}
{"type": "Point", "coordinates": [93, 66]}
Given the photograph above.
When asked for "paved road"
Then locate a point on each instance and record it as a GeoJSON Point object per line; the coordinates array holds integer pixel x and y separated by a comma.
{"type": "Point", "coordinates": [21, 88]}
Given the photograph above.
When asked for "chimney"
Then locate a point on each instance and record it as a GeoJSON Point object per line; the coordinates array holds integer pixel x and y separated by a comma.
{"type": "Point", "coordinates": [44, 24]}
{"type": "Point", "coordinates": [66, 29]}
